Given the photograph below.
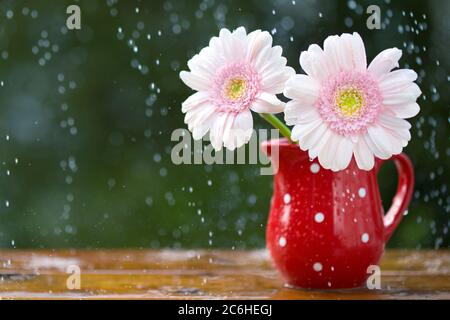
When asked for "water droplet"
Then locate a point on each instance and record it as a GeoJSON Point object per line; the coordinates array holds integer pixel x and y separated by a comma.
{"type": "Point", "coordinates": [315, 168]}
{"type": "Point", "coordinates": [287, 198]}
{"type": "Point", "coordinates": [319, 217]}
{"type": "Point", "coordinates": [317, 267]}
{"type": "Point", "coordinates": [364, 237]}
{"type": "Point", "coordinates": [362, 192]}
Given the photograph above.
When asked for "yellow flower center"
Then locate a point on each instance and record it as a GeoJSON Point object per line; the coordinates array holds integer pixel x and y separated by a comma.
{"type": "Point", "coordinates": [349, 102]}
{"type": "Point", "coordinates": [235, 88]}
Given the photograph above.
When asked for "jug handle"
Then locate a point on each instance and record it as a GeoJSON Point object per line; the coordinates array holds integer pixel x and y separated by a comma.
{"type": "Point", "coordinates": [403, 195]}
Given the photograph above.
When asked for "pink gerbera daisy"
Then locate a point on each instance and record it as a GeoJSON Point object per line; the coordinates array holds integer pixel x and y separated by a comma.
{"type": "Point", "coordinates": [236, 73]}
{"type": "Point", "coordinates": [342, 108]}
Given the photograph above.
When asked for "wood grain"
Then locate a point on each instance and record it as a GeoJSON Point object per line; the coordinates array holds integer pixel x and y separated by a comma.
{"type": "Point", "coordinates": [200, 274]}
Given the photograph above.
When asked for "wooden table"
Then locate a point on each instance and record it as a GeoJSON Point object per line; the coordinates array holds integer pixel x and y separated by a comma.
{"type": "Point", "coordinates": [168, 274]}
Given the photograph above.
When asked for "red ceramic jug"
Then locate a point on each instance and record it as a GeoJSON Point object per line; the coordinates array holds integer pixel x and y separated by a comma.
{"type": "Point", "coordinates": [326, 228]}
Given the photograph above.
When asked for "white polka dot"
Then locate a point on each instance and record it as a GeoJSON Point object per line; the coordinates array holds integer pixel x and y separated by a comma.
{"type": "Point", "coordinates": [365, 237]}
{"type": "Point", "coordinates": [314, 168]}
{"type": "Point", "coordinates": [282, 241]}
{"type": "Point", "coordinates": [362, 192]}
{"type": "Point", "coordinates": [319, 217]}
{"type": "Point", "coordinates": [329, 284]}
{"type": "Point", "coordinates": [317, 267]}
{"type": "Point", "coordinates": [287, 198]}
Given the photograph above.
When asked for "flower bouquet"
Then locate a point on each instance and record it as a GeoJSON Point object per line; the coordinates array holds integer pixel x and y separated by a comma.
{"type": "Point", "coordinates": [326, 227]}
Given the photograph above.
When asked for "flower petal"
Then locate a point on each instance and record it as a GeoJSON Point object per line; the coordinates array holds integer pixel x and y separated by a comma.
{"type": "Point", "coordinates": [194, 100]}
{"type": "Point", "coordinates": [384, 62]}
{"type": "Point", "coordinates": [194, 81]}
{"type": "Point", "coordinates": [312, 138]}
{"type": "Point", "coordinates": [315, 150]}
{"type": "Point", "coordinates": [267, 103]}
{"type": "Point", "coordinates": [345, 52]}
{"type": "Point", "coordinates": [260, 61]}
{"type": "Point", "coordinates": [397, 80]}
{"type": "Point", "coordinates": [359, 59]}
{"type": "Point", "coordinates": [313, 62]}
{"type": "Point", "coordinates": [397, 143]}
{"type": "Point", "coordinates": [202, 128]}
{"type": "Point", "coordinates": [405, 96]}
{"type": "Point", "coordinates": [344, 153]}
{"type": "Point", "coordinates": [331, 48]}
{"type": "Point", "coordinates": [295, 112]}
{"type": "Point", "coordinates": [363, 155]}
{"type": "Point", "coordinates": [302, 87]}
{"type": "Point", "coordinates": [221, 124]}
{"type": "Point", "coordinates": [307, 116]}
{"type": "Point", "coordinates": [404, 111]}
{"type": "Point", "coordinates": [272, 62]}
{"type": "Point", "coordinates": [206, 62]}
{"type": "Point", "coordinates": [273, 65]}
{"type": "Point", "coordinates": [301, 130]}
{"type": "Point", "coordinates": [398, 128]}
{"type": "Point", "coordinates": [232, 44]}
{"type": "Point", "coordinates": [403, 134]}
{"type": "Point", "coordinates": [198, 115]}
{"type": "Point", "coordinates": [257, 41]}
{"type": "Point", "coordinates": [240, 132]}
{"type": "Point", "coordinates": [328, 152]}
{"type": "Point", "coordinates": [393, 123]}
{"type": "Point", "coordinates": [240, 33]}
{"type": "Point", "coordinates": [274, 83]}
{"type": "Point", "coordinates": [379, 141]}
{"type": "Point", "coordinates": [195, 113]}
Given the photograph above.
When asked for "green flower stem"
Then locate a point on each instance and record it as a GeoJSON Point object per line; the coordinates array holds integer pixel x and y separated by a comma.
{"type": "Point", "coordinates": [274, 121]}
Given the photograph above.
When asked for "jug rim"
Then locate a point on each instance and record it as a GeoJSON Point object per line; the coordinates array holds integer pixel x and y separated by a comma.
{"type": "Point", "coordinates": [281, 142]}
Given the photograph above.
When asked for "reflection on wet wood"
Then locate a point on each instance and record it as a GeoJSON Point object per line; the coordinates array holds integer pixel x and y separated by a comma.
{"type": "Point", "coordinates": [168, 274]}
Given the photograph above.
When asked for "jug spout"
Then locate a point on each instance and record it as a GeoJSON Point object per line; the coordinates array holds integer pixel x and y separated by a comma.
{"type": "Point", "coordinates": [271, 147]}
{"type": "Point", "coordinates": [282, 153]}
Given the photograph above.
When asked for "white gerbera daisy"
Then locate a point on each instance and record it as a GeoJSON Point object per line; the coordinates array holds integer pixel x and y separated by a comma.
{"type": "Point", "coordinates": [236, 73]}
{"type": "Point", "coordinates": [342, 108]}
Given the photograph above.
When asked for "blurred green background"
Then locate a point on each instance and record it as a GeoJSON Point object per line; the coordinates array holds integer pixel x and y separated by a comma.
{"type": "Point", "coordinates": [86, 118]}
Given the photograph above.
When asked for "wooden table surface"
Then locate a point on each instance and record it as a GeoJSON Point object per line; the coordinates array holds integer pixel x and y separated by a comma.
{"type": "Point", "coordinates": [168, 274]}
